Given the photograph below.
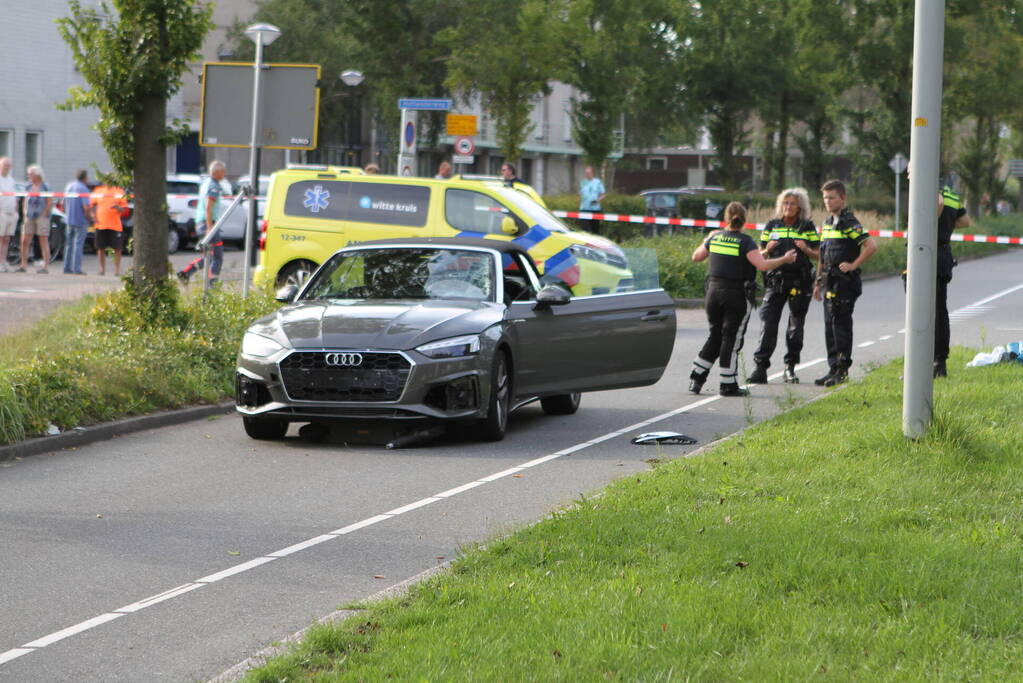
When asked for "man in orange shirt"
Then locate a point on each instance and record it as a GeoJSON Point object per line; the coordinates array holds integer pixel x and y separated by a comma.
{"type": "Point", "coordinates": [106, 206]}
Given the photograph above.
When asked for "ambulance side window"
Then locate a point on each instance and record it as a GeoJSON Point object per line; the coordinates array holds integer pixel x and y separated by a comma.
{"type": "Point", "coordinates": [470, 211]}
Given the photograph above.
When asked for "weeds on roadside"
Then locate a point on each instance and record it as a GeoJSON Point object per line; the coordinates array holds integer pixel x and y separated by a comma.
{"type": "Point", "coordinates": [122, 355]}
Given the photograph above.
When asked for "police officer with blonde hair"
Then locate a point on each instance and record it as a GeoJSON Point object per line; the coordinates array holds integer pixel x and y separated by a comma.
{"type": "Point", "coordinates": [733, 263]}
{"type": "Point", "coordinates": [791, 228]}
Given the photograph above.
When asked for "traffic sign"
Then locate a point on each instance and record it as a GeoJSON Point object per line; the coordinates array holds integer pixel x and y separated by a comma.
{"type": "Point", "coordinates": [898, 163]}
{"type": "Point", "coordinates": [463, 159]}
{"type": "Point", "coordinates": [424, 104]}
{"type": "Point", "coordinates": [289, 108]}
{"type": "Point", "coordinates": [465, 146]}
{"type": "Point", "coordinates": [462, 124]}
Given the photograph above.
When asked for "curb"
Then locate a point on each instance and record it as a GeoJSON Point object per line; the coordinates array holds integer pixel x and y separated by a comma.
{"type": "Point", "coordinates": [82, 436]}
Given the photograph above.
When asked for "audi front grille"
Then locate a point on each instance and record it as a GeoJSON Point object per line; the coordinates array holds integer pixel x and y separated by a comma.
{"type": "Point", "coordinates": [344, 375]}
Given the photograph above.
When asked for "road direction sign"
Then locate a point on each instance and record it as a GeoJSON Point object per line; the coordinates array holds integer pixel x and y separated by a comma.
{"type": "Point", "coordinates": [289, 109]}
{"type": "Point", "coordinates": [898, 163]}
{"type": "Point", "coordinates": [424, 104]}
{"type": "Point", "coordinates": [465, 146]}
{"type": "Point", "coordinates": [462, 124]}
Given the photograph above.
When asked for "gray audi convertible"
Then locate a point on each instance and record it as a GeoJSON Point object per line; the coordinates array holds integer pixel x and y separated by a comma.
{"type": "Point", "coordinates": [449, 331]}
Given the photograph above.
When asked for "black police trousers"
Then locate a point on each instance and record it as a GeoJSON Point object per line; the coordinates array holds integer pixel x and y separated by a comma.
{"type": "Point", "coordinates": [728, 311]}
{"type": "Point", "coordinates": [797, 293]}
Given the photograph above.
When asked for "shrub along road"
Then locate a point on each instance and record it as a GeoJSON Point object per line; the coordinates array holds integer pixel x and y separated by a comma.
{"type": "Point", "coordinates": [173, 553]}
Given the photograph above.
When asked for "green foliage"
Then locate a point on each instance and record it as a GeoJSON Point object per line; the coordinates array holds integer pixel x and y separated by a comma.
{"type": "Point", "coordinates": [131, 52]}
{"type": "Point", "coordinates": [677, 273]}
{"type": "Point", "coordinates": [490, 58]}
{"type": "Point", "coordinates": [126, 361]}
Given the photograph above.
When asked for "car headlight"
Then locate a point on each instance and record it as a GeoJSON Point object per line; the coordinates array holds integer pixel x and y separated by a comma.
{"type": "Point", "coordinates": [456, 347]}
{"type": "Point", "coordinates": [611, 255]}
{"type": "Point", "coordinates": [257, 345]}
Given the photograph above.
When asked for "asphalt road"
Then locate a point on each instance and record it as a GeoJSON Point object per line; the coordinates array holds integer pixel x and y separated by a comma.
{"type": "Point", "coordinates": [172, 554]}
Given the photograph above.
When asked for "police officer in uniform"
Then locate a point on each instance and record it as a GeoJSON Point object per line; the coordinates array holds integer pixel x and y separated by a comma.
{"type": "Point", "coordinates": [845, 247]}
{"type": "Point", "coordinates": [791, 228]}
{"type": "Point", "coordinates": [731, 286]}
{"type": "Point", "coordinates": [951, 215]}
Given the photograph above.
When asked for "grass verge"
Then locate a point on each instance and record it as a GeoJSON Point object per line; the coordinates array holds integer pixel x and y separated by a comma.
{"type": "Point", "coordinates": [822, 543]}
{"type": "Point", "coordinates": [102, 358]}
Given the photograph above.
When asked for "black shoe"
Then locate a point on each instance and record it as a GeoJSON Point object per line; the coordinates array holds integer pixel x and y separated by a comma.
{"type": "Point", "coordinates": [695, 385]}
{"type": "Point", "coordinates": [836, 378]}
{"type": "Point", "coordinates": [183, 275]}
{"type": "Point", "coordinates": [823, 381]}
{"type": "Point", "coordinates": [732, 390]}
{"type": "Point", "coordinates": [758, 376]}
{"type": "Point", "coordinates": [790, 374]}
{"type": "Point", "coordinates": [939, 369]}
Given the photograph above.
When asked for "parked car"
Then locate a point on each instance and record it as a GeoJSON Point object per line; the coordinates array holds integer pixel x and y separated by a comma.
{"type": "Point", "coordinates": [443, 330]}
{"type": "Point", "coordinates": [312, 212]}
{"type": "Point", "coordinates": [665, 202]}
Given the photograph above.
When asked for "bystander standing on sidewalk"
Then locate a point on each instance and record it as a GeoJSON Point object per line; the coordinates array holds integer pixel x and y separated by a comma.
{"type": "Point", "coordinates": [106, 207]}
{"type": "Point", "coordinates": [36, 220]}
{"type": "Point", "coordinates": [207, 211]}
{"type": "Point", "coordinates": [8, 210]}
{"type": "Point", "coordinates": [76, 213]}
{"type": "Point", "coordinates": [591, 194]}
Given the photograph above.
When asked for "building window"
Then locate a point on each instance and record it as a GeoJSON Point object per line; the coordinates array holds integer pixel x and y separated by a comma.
{"type": "Point", "coordinates": [5, 143]}
{"type": "Point", "coordinates": [657, 163]}
{"type": "Point", "coordinates": [33, 148]}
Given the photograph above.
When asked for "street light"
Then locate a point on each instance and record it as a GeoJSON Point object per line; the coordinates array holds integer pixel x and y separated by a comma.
{"type": "Point", "coordinates": [352, 78]}
{"type": "Point", "coordinates": [261, 35]}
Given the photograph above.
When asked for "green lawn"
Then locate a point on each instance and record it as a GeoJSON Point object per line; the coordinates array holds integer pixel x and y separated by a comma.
{"type": "Point", "coordinates": [819, 544]}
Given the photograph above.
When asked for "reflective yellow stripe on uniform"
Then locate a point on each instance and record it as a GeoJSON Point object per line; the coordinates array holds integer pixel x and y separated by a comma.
{"type": "Point", "coordinates": [830, 233]}
{"type": "Point", "coordinates": [720, 244]}
{"type": "Point", "coordinates": [951, 199]}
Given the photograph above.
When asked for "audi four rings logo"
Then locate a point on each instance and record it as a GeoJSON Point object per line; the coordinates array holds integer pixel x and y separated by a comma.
{"type": "Point", "coordinates": [348, 360]}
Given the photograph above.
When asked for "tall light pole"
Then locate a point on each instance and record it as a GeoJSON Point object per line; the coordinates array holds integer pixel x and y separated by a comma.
{"type": "Point", "coordinates": [924, 153]}
{"type": "Point", "coordinates": [261, 35]}
{"type": "Point", "coordinates": [352, 78]}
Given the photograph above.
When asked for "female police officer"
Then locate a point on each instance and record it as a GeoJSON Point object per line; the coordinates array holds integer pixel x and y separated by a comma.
{"type": "Point", "coordinates": [734, 261]}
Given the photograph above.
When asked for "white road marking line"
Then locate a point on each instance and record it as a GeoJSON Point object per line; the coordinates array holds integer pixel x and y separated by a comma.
{"type": "Point", "coordinates": [238, 569]}
{"type": "Point", "coordinates": [865, 344]}
{"type": "Point", "coordinates": [885, 337]}
{"type": "Point", "coordinates": [73, 630]}
{"type": "Point", "coordinates": [14, 654]}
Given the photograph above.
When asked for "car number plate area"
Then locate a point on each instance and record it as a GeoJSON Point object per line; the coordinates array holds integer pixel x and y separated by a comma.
{"type": "Point", "coordinates": [381, 377]}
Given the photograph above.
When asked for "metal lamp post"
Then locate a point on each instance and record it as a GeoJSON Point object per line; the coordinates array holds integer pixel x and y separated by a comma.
{"type": "Point", "coordinates": [352, 78]}
{"type": "Point", "coordinates": [261, 35]}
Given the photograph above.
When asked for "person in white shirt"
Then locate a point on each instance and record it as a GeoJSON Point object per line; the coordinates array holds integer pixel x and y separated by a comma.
{"type": "Point", "coordinates": [8, 210]}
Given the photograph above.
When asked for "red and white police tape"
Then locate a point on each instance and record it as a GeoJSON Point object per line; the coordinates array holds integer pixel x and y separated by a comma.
{"type": "Point", "coordinates": [694, 223]}
{"type": "Point", "coordinates": [612, 217]}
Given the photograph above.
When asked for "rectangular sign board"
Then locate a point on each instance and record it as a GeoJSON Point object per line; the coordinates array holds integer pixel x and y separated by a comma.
{"type": "Point", "coordinates": [462, 124]}
{"type": "Point", "coordinates": [424, 104]}
{"type": "Point", "coordinates": [463, 158]}
{"type": "Point", "coordinates": [289, 112]}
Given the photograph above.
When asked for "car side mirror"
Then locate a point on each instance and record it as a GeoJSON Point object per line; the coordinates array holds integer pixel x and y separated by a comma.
{"type": "Point", "coordinates": [553, 295]}
{"type": "Point", "coordinates": [286, 293]}
{"type": "Point", "coordinates": [508, 226]}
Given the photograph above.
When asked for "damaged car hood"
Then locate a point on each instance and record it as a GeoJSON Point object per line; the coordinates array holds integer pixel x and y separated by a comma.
{"type": "Point", "coordinates": [369, 324]}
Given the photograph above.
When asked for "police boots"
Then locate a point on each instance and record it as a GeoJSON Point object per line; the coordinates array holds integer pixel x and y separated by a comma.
{"type": "Point", "coordinates": [758, 376]}
{"type": "Point", "coordinates": [790, 374]}
{"type": "Point", "coordinates": [696, 382]}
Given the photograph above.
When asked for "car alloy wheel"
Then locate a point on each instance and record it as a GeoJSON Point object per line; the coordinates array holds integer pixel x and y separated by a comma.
{"type": "Point", "coordinates": [295, 273]}
{"type": "Point", "coordinates": [494, 425]}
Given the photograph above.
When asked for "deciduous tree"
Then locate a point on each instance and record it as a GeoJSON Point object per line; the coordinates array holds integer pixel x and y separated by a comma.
{"type": "Point", "coordinates": [132, 56]}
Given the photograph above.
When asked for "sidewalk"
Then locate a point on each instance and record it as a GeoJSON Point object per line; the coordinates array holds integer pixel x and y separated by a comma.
{"type": "Point", "coordinates": [26, 298]}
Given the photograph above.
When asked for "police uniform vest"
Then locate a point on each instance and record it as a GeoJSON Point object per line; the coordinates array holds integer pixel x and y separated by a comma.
{"type": "Point", "coordinates": [841, 239]}
{"type": "Point", "coordinates": [952, 211]}
{"type": "Point", "coordinates": [728, 262]}
{"type": "Point", "coordinates": [786, 236]}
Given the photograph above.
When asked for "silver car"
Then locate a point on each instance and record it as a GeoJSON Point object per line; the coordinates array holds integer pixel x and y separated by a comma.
{"type": "Point", "coordinates": [442, 330]}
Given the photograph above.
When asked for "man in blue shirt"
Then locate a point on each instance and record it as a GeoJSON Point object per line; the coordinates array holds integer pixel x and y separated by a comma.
{"type": "Point", "coordinates": [207, 211]}
{"type": "Point", "coordinates": [76, 211]}
{"type": "Point", "coordinates": [591, 194]}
